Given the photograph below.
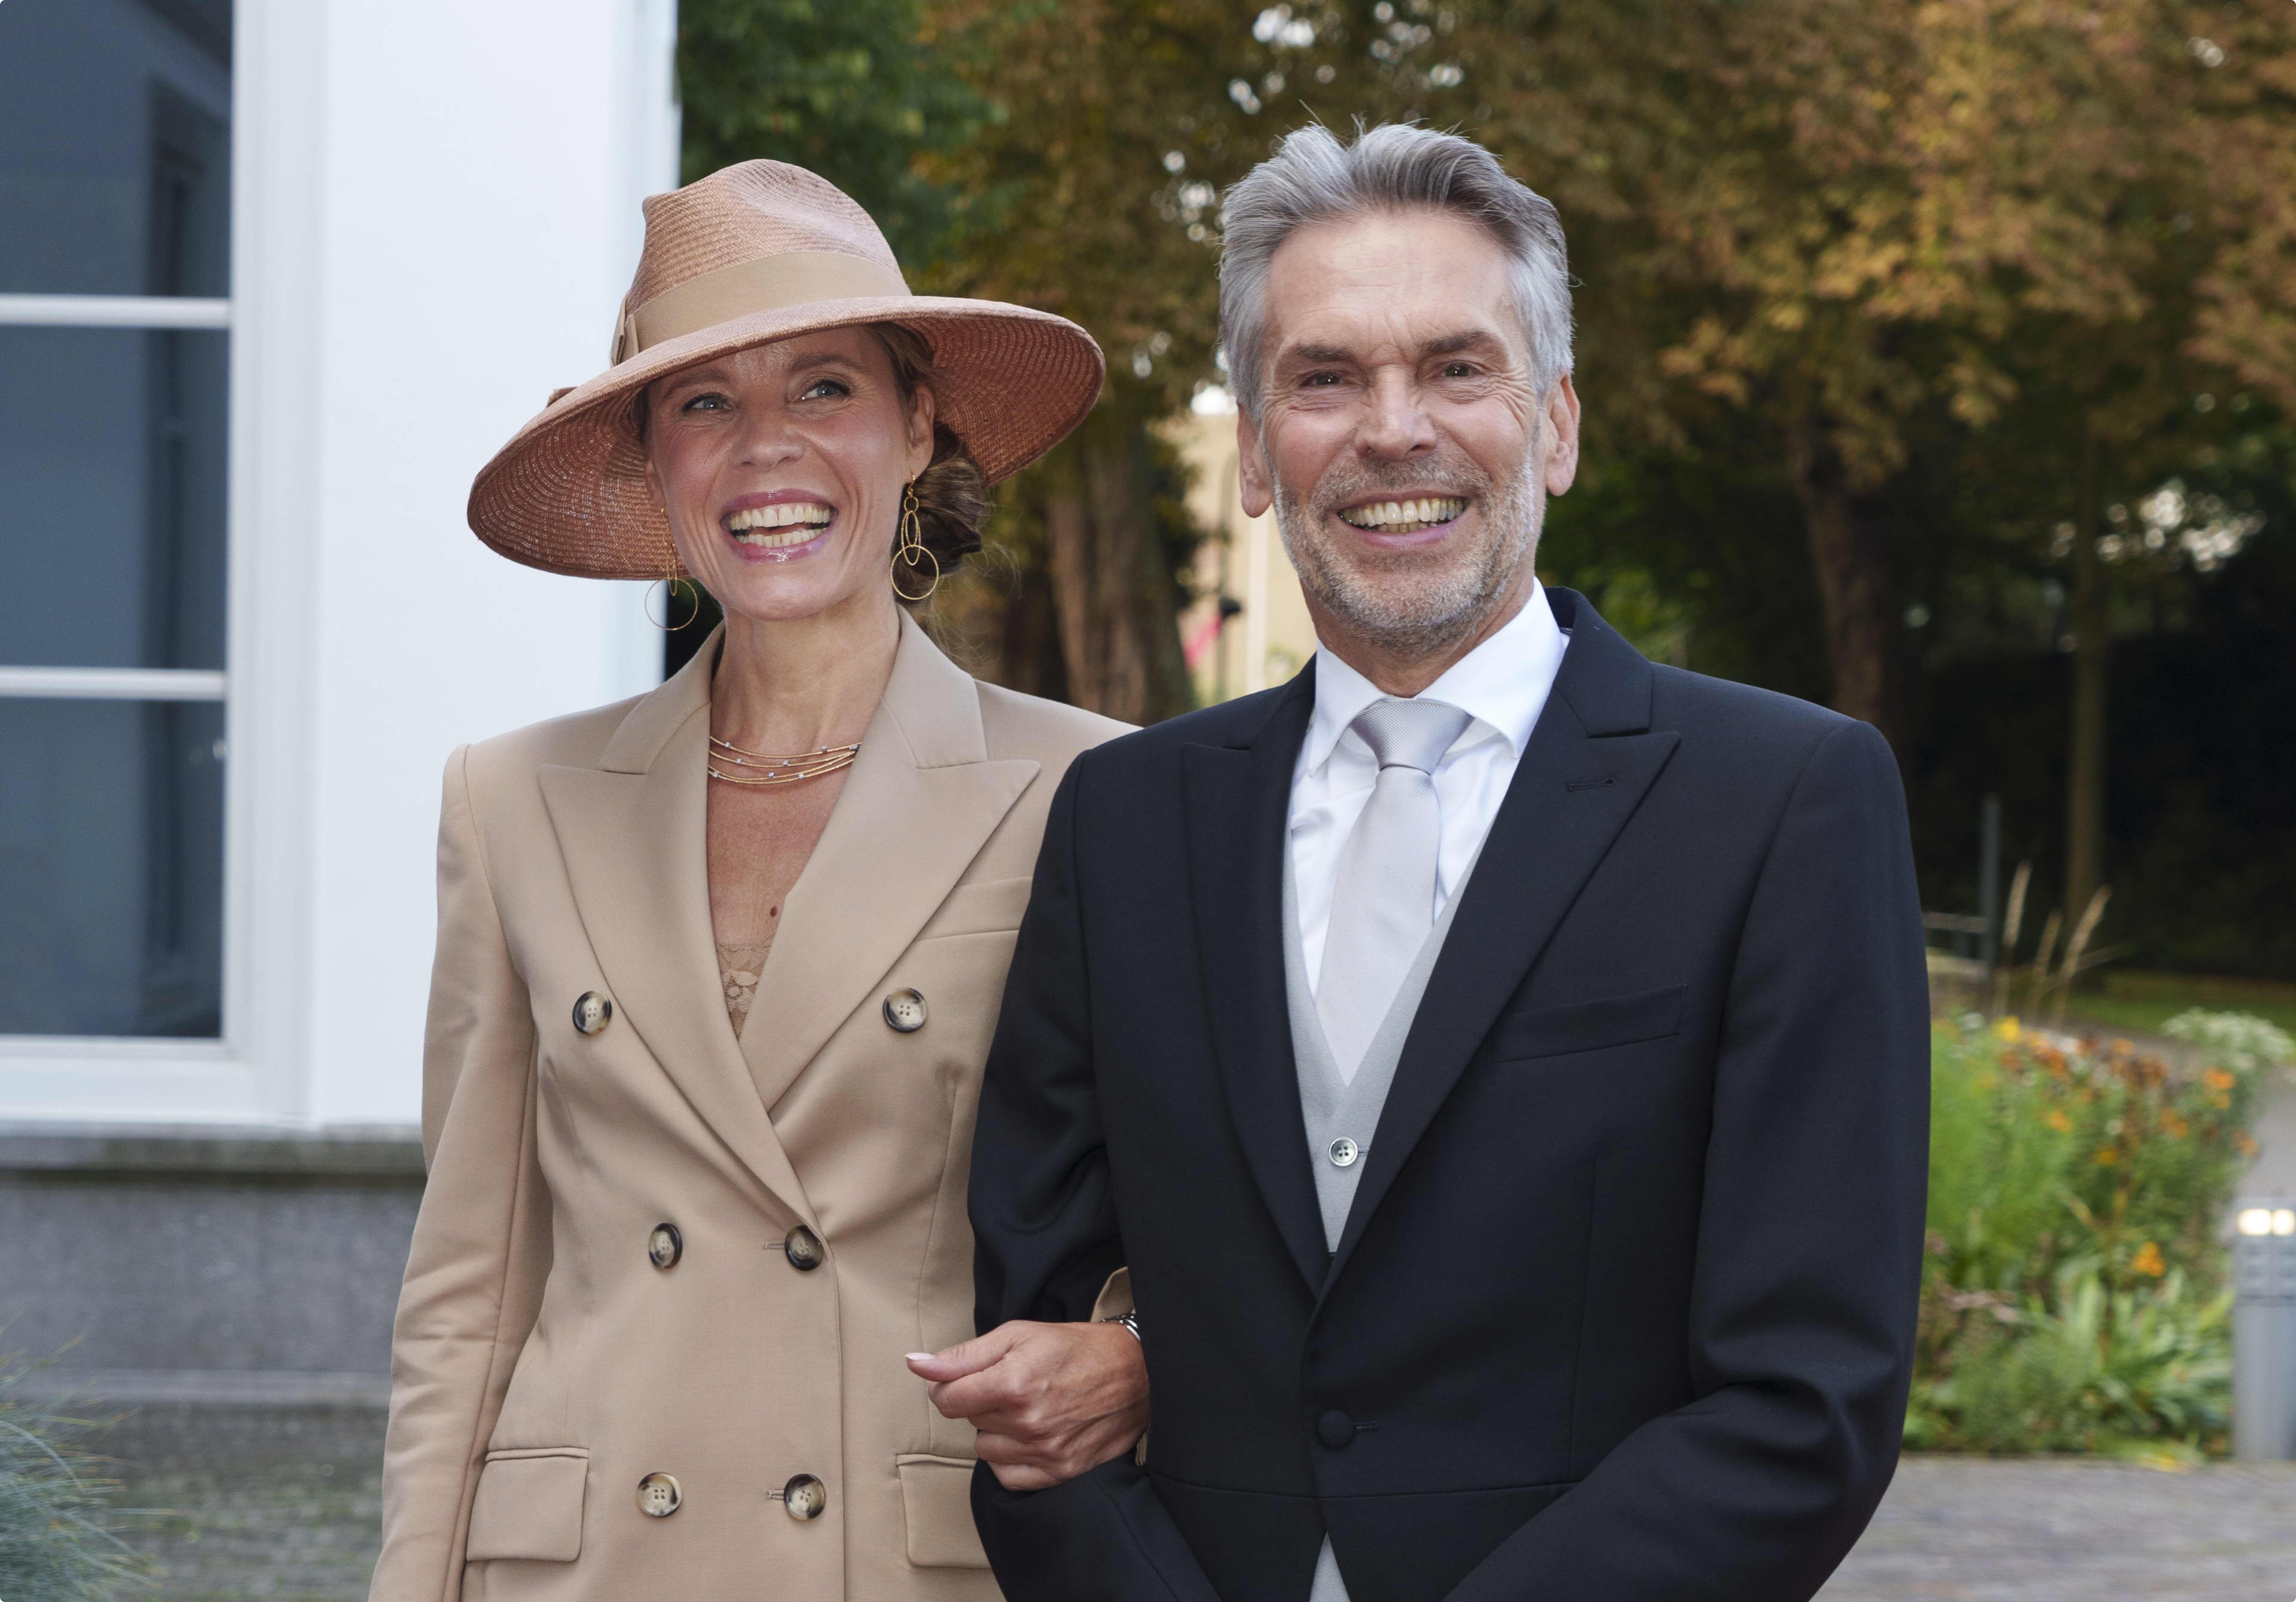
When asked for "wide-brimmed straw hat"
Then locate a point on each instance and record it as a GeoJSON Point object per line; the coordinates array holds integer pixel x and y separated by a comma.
{"type": "Point", "coordinates": [754, 253]}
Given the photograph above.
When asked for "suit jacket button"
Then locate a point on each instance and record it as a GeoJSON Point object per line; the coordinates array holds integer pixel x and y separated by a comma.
{"type": "Point", "coordinates": [805, 1498]}
{"type": "Point", "coordinates": [904, 1012]}
{"type": "Point", "coordinates": [1335, 1429]}
{"type": "Point", "coordinates": [592, 1013]}
{"type": "Point", "coordinates": [804, 1250]}
{"type": "Point", "coordinates": [658, 1496]}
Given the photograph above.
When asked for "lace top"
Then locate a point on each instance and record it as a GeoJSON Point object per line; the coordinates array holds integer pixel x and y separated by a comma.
{"type": "Point", "coordinates": [738, 967]}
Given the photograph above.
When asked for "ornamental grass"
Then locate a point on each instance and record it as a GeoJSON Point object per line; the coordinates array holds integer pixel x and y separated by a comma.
{"type": "Point", "coordinates": [58, 1539]}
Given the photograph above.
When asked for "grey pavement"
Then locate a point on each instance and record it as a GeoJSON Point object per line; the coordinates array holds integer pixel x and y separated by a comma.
{"type": "Point", "coordinates": [237, 1502]}
{"type": "Point", "coordinates": [286, 1506]}
{"type": "Point", "coordinates": [2076, 1530]}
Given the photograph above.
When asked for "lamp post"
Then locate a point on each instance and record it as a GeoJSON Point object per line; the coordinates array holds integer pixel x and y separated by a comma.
{"type": "Point", "coordinates": [2264, 1331]}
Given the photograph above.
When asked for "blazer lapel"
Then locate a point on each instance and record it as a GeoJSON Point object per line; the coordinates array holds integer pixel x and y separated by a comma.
{"type": "Point", "coordinates": [918, 804]}
{"type": "Point", "coordinates": [1590, 760]}
{"type": "Point", "coordinates": [1238, 806]}
{"type": "Point", "coordinates": [633, 832]}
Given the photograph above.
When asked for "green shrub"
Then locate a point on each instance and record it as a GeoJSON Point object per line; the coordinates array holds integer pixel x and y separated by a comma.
{"type": "Point", "coordinates": [2073, 1294]}
{"type": "Point", "coordinates": [2113, 1371]}
{"type": "Point", "coordinates": [57, 1543]}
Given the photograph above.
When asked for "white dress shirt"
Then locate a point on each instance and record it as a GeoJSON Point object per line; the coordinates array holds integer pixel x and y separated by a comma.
{"type": "Point", "coordinates": [1502, 685]}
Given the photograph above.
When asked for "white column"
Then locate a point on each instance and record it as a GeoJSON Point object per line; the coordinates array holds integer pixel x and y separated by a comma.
{"type": "Point", "coordinates": [479, 222]}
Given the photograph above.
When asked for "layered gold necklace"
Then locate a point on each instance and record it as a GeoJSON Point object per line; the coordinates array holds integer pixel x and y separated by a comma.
{"type": "Point", "coordinates": [766, 769]}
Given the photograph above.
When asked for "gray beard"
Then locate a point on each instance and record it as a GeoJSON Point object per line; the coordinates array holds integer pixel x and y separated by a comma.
{"type": "Point", "coordinates": [1407, 607]}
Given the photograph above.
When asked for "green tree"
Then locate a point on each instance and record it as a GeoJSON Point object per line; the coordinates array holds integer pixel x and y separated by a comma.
{"type": "Point", "coordinates": [854, 90]}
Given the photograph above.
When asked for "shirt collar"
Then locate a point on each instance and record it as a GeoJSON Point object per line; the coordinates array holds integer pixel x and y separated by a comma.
{"type": "Point", "coordinates": [1502, 683]}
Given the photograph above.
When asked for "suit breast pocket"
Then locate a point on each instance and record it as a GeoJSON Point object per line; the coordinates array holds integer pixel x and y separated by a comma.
{"type": "Point", "coordinates": [1552, 1031]}
{"type": "Point", "coordinates": [989, 907]}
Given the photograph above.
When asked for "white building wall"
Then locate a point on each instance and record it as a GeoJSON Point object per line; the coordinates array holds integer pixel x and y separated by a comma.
{"type": "Point", "coordinates": [484, 165]}
{"type": "Point", "coordinates": [435, 212]}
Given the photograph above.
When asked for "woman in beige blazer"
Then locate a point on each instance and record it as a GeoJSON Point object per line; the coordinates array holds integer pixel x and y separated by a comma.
{"type": "Point", "coordinates": [717, 967]}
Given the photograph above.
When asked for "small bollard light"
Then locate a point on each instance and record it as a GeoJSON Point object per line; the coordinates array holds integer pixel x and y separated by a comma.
{"type": "Point", "coordinates": [2264, 1332]}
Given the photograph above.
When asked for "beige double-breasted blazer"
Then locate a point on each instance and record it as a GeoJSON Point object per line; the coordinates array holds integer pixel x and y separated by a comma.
{"type": "Point", "coordinates": [543, 1365]}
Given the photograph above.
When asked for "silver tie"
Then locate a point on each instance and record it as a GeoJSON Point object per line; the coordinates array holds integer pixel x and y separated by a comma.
{"type": "Point", "coordinates": [1383, 902]}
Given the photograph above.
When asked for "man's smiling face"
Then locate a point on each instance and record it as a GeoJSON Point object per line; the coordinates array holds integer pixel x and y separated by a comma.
{"type": "Point", "coordinates": [1403, 441]}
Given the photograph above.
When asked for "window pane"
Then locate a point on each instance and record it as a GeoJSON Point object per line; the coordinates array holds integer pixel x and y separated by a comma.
{"type": "Point", "coordinates": [110, 867]}
{"type": "Point", "coordinates": [115, 150]}
{"type": "Point", "coordinates": [112, 523]}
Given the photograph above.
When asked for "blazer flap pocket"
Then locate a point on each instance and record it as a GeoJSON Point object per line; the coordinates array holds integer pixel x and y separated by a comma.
{"type": "Point", "coordinates": [990, 906]}
{"type": "Point", "coordinates": [1590, 1025]}
{"type": "Point", "coordinates": [936, 1500]}
{"type": "Point", "coordinates": [530, 1505]}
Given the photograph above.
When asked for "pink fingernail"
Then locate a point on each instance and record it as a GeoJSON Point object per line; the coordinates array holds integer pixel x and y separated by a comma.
{"type": "Point", "coordinates": [920, 1356]}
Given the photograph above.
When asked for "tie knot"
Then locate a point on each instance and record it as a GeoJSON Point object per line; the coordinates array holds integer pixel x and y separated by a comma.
{"type": "Point", "coordinates": [1409, 733]}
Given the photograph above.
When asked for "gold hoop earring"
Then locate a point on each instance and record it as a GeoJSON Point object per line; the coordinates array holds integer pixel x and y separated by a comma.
{"type": "Point", "coordinates": [670, 582]}
{"type": "Point", "coordinates": [911, 547]}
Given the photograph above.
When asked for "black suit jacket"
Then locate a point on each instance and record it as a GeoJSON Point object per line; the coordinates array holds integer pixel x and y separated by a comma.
{"type": "Point", "coordinates": [1623, 1309]}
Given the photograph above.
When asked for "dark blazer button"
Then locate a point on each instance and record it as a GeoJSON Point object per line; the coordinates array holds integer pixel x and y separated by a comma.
{"type": "Point", "coordinates": [804, 1250]}
{"type": "Point", "coordinates": [1335, 1429]}
{"type": "Point", "coordinates": [665, 1246]}
{"type": "Point", "coordinates": [592, 1013]}
{"type": "Point", "coordinates": [904, 1012]}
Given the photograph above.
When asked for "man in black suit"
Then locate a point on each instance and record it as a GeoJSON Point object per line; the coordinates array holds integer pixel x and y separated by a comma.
{"type": "Point", "coordinates": [1500, 1063]}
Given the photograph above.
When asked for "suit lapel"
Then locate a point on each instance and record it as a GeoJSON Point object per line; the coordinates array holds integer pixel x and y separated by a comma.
{"type": "Point", "coordinates": [1238, 805]}
{"type": "Point", "coordinates": [1590, 760]}
{"type": "Point", "coordinates": [918, 804]}
{"type": "Point", "coordinates": [633, 833]}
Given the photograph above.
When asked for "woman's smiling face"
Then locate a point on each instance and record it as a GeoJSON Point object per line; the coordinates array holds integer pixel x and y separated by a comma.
{"type": "Point", "coordinates": [781, 469]}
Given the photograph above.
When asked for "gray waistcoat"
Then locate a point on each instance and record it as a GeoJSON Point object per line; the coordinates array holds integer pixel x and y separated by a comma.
{"type": "Point", "coordinates": [1349, 1109]}
{"type": "Point", "coordinates": [1336, 1108]}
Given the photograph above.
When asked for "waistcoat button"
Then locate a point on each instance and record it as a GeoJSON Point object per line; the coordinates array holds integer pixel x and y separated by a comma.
{"type": "Point", "coordinates": [592, 1013]}
{"type": "Point", "coordinates": [804, 1250]}
{"type": "Point", "coordinates": [1335, 1429]}
{"type": "Point", "coordinates": [1343, 1153]}
{"type": "Point", "coordinates": [904, 1012]}
{"type": "Point", "coordinates": [805, 1498]}
{"type": "Point", "coordinates": [658, 1496]}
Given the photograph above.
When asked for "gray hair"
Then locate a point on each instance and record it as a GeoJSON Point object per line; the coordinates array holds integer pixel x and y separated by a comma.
{"type": "Point", "coordinates": [1312, 178]}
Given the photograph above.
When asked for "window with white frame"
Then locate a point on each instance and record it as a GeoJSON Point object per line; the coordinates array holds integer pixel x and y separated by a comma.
{"type": "Point", "coordinates": [115, 310]}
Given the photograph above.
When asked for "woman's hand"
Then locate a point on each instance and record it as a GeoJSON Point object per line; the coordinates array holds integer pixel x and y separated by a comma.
{"type": "Point", "coordinates": [1050, 1401]}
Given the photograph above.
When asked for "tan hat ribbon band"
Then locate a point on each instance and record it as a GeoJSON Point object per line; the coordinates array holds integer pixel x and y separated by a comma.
{"type": "Point", "coordinates": [768, 284]}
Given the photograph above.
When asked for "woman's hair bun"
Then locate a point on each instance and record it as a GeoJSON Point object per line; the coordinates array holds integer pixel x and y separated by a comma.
{"type": "Point", "coordinates": [952, 493]}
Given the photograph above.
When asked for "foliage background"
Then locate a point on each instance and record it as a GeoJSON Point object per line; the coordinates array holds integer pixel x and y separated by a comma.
{"type": "Point", "coordinates": [2074, 1296]}
{"type": "Point", "coordinates": [1895, 315]}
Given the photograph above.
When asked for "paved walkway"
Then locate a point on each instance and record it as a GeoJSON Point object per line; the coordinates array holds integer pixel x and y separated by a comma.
{"type": "Point", "coordinates": [233, 1503]}
{"type": "Point", "coordinates": [286, 1507]}
{"type": "Point", "coordinates": [2073, 1530]}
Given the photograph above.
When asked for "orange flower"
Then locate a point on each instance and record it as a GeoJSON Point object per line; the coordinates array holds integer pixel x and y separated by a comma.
{"type": "Point", "coordinates": [2148, 1260]}
{"type": "Point", "coordinates": [2056, 1119]}
{"type": "Point", "coordinates": [2217, 1078]}
{"type": "Point", "coordinates": [2106, 1156]}
{"type": "Point", "coordinates": [2173, 1125]}
{"type": "Point", "coordinates": [2245, 1144]}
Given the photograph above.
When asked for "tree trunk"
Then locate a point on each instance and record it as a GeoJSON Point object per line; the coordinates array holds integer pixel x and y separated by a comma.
{"type": "Point", "coordinates": [1029, 638]}
{"type": "Point", "coordinates": [1113, 594]}
{"type": "Point", "coordinates": [2085, 778]}
{"type": "Point", "coordinates": [1850, 563]}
